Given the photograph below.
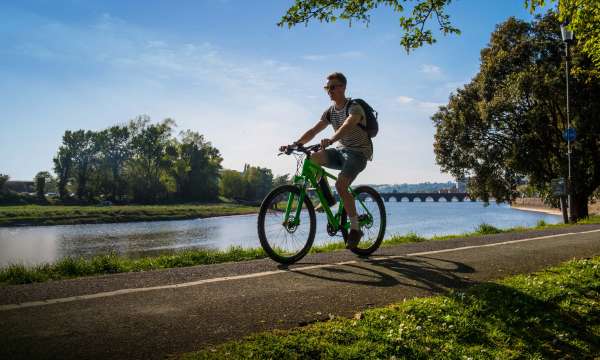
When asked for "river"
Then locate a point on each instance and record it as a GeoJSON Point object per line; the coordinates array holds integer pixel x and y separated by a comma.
{"type": "Point", "coordinates": [39, 244]}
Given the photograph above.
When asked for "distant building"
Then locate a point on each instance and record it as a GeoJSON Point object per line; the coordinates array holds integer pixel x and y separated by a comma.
{"type": "Point", "coordinates": [20, 186]}
{"type": "Point", "coordinates": [461, 186]}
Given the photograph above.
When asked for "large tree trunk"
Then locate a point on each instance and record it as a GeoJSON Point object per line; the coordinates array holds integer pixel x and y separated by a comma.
{"type": "Point", "coordinates": [564, 210]}
{"type": "Point", "coordinates": [579, 204]}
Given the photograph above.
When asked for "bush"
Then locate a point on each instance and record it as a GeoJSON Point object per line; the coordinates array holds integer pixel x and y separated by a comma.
{"type": "Point", "coordinates": [487, 229]}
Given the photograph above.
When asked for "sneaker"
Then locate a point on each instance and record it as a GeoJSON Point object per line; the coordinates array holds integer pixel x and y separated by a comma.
{"type": "Point", "coordinates": [353, 238]}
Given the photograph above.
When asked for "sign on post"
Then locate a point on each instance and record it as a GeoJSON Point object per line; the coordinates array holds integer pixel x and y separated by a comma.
{"type": "Point", "coordinates": [558, 187]}
{"type": "Point", "coordinates": [569, 134]}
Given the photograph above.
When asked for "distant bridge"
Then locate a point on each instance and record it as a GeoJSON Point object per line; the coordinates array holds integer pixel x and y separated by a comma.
{"type": "Point", "coordinates": [399, 197]}
{"type": "Point", "coordinates": [449, 197]}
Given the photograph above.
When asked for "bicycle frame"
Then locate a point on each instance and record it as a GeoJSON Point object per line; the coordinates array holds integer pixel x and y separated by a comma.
{"type": "Point", "coordinates": [309, 175]}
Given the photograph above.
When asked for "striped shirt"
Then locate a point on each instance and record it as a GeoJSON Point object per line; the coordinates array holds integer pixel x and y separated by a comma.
{"type": "Point", "coordinates": [356, 138]}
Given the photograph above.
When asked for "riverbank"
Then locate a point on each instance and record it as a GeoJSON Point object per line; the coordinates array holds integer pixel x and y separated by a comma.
{"type": "Point", "coordinates": [537, 205]}
{"type": "Point", "coordinates": [38, 215]}
{"type": "Point", "coordinates": [113, 263]}
{"type": "Point", "coordinates": [549, 314]}
{"type": "Point", "coordinates": [543, 210]}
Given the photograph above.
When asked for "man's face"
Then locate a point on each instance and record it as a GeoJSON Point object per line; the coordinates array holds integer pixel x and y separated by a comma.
{"type": "Point", "coordinates": [334, 89]}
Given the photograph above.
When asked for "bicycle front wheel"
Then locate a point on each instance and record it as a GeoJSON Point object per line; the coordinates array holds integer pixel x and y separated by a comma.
{"type": "Point", "coordinates": [372, 218]}
{"type": "Point", "coordinates": [286, 241]}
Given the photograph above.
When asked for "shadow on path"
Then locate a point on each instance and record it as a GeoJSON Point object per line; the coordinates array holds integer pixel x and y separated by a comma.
{"type": "Point", "coordinates": [429, 274]}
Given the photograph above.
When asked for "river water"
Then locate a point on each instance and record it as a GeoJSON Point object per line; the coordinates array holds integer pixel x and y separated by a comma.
{"type": "Point", "coordinates": [39, 244]}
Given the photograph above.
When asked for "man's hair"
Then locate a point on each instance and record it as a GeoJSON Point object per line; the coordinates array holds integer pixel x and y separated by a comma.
{"type": "Point", "coordinates": [338, 76]}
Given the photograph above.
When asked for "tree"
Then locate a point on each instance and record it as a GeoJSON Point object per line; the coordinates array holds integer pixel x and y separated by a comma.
{"type": "Point", "coordinates": [195, 166]}
{"type": "Point", "coordinates": [114, 149]}
{"type": "Point", "coordinates": [258, 182]}
{"type": "Point", "coordinates": [41, 179]}
{"type": "Point", "coordinates": [149, 159]}
{"type": "Point", "coordinates": [583, 15]}
{"type": "Point", "coordinates": [3, 179]}
{"type": "Point", "coordinates": [507, 123]}
{"type": "Point", "coordinates": [232, 184]}
{"type": "Point", "coordinates": [204, 164]}
{"type": "Point", "coordinates": [63, 161]}
{"type": "Point", "coordinates": [281, 180]}
{"type": "Point", "coordinates": [74, 161]}
{"type": "Point", "coordinates": [414, 26]}
{"type": "Point", "coordinates": [82, 147]}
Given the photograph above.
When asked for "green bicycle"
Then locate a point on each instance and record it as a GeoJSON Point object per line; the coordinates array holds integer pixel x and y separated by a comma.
{"type": "Point", "coordinates": [287, 221]}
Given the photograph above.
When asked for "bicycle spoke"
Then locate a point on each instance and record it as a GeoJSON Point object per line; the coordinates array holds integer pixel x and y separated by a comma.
{"type": "Point", "coordinates": [371, 213]}
{"type": "Point", "coordinates": [287, 239]}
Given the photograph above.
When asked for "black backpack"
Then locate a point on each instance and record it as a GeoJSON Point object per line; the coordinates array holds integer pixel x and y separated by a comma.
{"type": "Point", "coordinates": [372, 125]}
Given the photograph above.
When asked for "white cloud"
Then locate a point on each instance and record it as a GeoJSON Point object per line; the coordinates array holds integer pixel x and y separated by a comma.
{"type": "Point", "coordinates": [405, 99]}
{"type": "Point", "coordinates": [431, 70]}
{"type": "Point", "coordinates": [412, 103]}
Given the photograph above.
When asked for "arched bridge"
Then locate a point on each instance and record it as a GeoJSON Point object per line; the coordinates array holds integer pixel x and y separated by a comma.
{"type": "Point", "coordinates": [397, 196]}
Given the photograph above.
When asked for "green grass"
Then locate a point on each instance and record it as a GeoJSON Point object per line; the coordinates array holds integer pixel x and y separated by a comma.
{"type": "Point", "coordinates": [548, 315]}
{"type": "Point", "coordinates": [66, 215]}
{"type": "Point", "coordinates": [112, 263]}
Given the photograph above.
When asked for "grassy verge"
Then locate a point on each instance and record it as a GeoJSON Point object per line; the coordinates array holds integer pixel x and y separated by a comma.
{"type": "Point", "coordinates": [68, 215]}
{"type": "Point", "coordinates": [552, 314]}
{"type": "Point", "coordinates": [113, 263]}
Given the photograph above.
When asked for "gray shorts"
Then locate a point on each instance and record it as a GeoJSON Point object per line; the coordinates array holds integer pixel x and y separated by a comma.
{"type": "Point", "coordinates": [350, 162]}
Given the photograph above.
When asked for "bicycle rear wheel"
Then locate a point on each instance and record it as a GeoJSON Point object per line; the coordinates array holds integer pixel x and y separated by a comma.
{"type": "Point", "coordinates": [286, 241]}
{"type": "Point", "coordinates": [373, 225]}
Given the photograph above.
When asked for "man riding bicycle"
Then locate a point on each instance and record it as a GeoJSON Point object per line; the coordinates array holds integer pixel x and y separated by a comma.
{"type": "Point", "coordinates": [349, 122]}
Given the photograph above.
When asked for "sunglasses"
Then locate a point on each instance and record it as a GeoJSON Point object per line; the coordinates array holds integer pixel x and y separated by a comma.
{"type": "Point", "coordinates": [331, 87]}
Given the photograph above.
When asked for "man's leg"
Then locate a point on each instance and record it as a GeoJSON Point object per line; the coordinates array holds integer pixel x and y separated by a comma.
{"type": "Point", "coordinates": [354, 163]}
{"type": "Point", "coordinates": [320, 157]}
{"type": "Point", "coordinates": [328, 158]}
{"type": "Point", "coordinates": [341, 185]}
{"type": "Point", "coordinates": [355, 233]}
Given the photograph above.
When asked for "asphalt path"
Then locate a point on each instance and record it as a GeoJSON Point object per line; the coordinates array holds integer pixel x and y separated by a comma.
{"type": "Point", "coordinates": [155, 314]}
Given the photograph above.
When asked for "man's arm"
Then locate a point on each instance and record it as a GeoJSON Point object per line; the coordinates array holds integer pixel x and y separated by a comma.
{"type": "Point", "coordinates": [311, 133]}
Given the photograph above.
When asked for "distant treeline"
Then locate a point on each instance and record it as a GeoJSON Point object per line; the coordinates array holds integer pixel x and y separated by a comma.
{"type": "Point", "coordinates": [142, 162]}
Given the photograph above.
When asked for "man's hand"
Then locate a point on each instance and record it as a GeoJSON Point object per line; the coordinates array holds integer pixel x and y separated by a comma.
{"type": "Point", "coordinates": [284, 148]}
{"type": "Point", "coordinates": [325, 143]}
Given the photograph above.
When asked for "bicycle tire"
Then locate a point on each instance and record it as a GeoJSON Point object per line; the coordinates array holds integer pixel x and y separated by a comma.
{"type": "Point", "coordinates": [266, 205]}
{"type": "Point", "coordinates": [368, 250]}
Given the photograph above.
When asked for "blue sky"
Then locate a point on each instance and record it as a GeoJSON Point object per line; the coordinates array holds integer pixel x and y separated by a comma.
{"type": "Point", "coordinates": [224, 69]}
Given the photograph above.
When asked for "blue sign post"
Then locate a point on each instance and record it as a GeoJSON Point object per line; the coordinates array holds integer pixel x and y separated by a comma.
{"type": "Point", "coordinates": [569, 134]}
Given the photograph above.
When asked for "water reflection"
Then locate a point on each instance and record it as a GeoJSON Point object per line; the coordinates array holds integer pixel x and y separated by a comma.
{"type": "Point", "coordinates": [33, 245]}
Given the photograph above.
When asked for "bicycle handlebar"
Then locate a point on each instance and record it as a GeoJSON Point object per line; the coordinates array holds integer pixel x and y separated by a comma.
{"type": "Point", "coordinates": [301, 149]}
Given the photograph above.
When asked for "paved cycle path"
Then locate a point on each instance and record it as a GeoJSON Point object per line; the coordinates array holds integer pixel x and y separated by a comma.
{"type": "Point", "coordinates": [158, 313]}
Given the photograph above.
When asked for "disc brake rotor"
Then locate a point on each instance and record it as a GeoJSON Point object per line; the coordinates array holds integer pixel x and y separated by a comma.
{"type": "Point", "coordinates": [291, 226]}
{"type": "Point", "coordinates": [366, 220]}
{"type": "Point", "coordinates": [330, 230]}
